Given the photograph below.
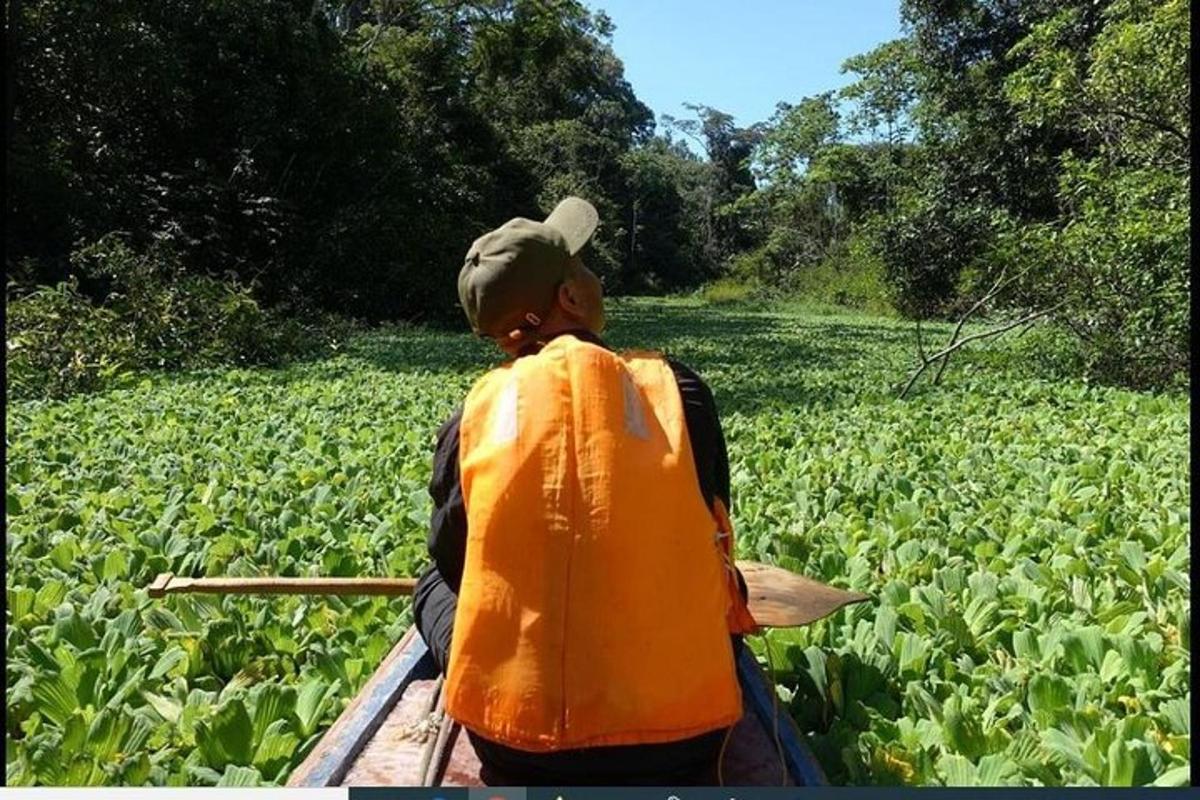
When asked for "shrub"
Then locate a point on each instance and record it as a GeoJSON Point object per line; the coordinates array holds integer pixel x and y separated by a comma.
{"type": "Point", "coordinates": [1117, 272]}
{"type": "Point", "coordinates": [852, 277]}
{"type": "Point", "coordinates": [753, 267]}
{"type": "Point", "coordinates": [1051, 351]}
{"type": "Point", "coordinates": [151, 315]}
{"type": "Point", "coordinates": [926, 243]}
{"type": "Point", "coordinates": [58, 343]}
{"type": "Point", "coordinates": [726, 291]}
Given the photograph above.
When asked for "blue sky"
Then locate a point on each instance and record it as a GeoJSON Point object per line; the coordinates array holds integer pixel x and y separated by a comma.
{"type": "Point", "coordinates": [742, 57]}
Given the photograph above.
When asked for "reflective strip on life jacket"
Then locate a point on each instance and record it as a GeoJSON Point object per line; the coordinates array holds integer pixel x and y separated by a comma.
{"type": "Point", "coordinates": [595, 606]}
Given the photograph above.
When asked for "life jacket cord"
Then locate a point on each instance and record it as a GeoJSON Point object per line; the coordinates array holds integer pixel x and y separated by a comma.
{"type": "Point", "coordinates": [775, 707]}
{"type": "Point", "coordinates": [721, 756]}
{"type": "Point", "coordinates": [774, 719]}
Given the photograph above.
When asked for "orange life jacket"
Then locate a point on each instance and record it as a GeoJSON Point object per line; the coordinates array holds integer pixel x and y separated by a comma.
{"type": "Point", "coordinates": [598, 593]}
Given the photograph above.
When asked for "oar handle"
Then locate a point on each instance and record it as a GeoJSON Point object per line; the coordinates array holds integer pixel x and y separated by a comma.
{"type": "Point", "coordinates": [167, 583]}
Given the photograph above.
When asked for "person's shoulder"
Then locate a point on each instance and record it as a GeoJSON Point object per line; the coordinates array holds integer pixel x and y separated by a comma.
{"type": "Point", "coordinates": [449, 429]}
{"type": "Point", "coordinates": [682, 370]}
{"type": "Point", "coordinates": [686, 376]}
{"type": "Point", "coordinates": [691, 385]}
{"type": "Point", "coordinates": [683, 373]}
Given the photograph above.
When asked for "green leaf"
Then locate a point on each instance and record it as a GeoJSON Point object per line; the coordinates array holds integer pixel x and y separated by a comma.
{"type": "Point", "coordinates": [50, 596]}
{"type": "Point", "coordinates": [1178, 715]}
{"type": "Point", "coordinates": [272, 703]}
{"type": "Point", "coordinates": [276, 748]}
{"type": "Point", "coordinates": [1119, 765]}
{"type": "Point", "coordinates": [911, 651]}
{"type": "Point", "coordinates": [906, 515]}
{"type": "Point", "coordinates": [166, 708]}
{"type": "Point", "coordinates": [1049, 694]}
{"type": "Point", "coordinates": [115, 566]}
{"type": "Point", "coordinates": [20, 602]}
{"type": "Point", "coordinates": [1025, 644]}
{"type": "Point", "coordinates": [227, 737]}
{"type": "Point", "coordinates": [173, 657]}
{"type": "Point", "coordinates": [996, 770]}
{"type": "Point", "coordinates": [126, 735]}
{"type": "Point", "coordinates": [312, 701]}
{"type": "Point", "coordinates": [1178, 776]}
{"type": "Point", "coordinates": [914, 612]}
{"type": "Point", "coordinates": [205, 519]}
{"type": "Point", "coordinates": [127, 688]}
{"type": "Point", "coordinates": [1064, 749]}
{"type": "Point", "coordinates": [962, 730]}
{"type": "Point", "coordinates": [72, 627]}
{"type": "Point", "coordinates": [1084, 648]}
{"type": "Point", "coordinates": [205, 776]}
{"type": "Point", "coordinates": [55, 698]}
{"type": "Point", "coordinates": [1134, 555]}
{"type": "Point", "coordinates": [1113, 666]}
{"type": "Point", "coordinates": [63, 554]}
{"type": "Point", "coordinates": [354, 670]}
{"type": "Point", "coordinates": [240, 776]}
{"type": "Point", "coordinates": [162, 620]}
{"type": "Point", "coordinates": [980, 615]}
{"type": "Point", "coordinates": [815, 667]}
{"type": "Point", "coordinates": [885, 624]}
{"type": "Point", "coordinates": [136, 770]}
{"type": "Point", "coordinates": [957, 770]}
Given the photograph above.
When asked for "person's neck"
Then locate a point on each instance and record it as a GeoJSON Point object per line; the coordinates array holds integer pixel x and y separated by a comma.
{"type": "Point", "coordinates": [567, 329]}
{"type": "Point", "coordinates": [573, 328]}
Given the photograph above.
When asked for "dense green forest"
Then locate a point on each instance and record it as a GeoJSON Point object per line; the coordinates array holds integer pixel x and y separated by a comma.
{"type": "Point", "coordinates": [195, 182]}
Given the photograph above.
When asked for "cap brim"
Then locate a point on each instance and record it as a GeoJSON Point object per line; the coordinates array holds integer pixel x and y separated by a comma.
{"type": "Point", "coordinates": [576, 219]}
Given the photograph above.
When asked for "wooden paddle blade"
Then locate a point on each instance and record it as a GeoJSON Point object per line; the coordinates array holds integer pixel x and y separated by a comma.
{"type": "Point", "coordinates": [782, 599]}
{"type": "Point", "coordinates": [159, 587]}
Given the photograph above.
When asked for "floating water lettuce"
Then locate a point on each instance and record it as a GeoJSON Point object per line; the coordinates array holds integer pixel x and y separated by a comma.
{"type": "Point", "coordinates": [1025, 539]}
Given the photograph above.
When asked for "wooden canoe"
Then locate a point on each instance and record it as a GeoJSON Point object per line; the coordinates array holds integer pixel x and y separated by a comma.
{"type": "Point", "coordinates": [394, 734]}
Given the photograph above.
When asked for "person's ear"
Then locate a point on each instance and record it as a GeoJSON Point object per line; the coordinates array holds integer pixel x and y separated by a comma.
{"type": "Point", "coordinates": [570, 299]}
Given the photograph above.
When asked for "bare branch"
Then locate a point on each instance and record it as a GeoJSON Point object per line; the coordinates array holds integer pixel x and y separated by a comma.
{"type": "Point", "coordinates": [1026, 329]}
{"type": "Point", "coordinates": [987, 297]}
{"type": "Point", "coordinates": [1005, 327]}
{"type": "Point", "coordinates": [937, 376]}
{"type": "Point", "coordinates": [955, 344]}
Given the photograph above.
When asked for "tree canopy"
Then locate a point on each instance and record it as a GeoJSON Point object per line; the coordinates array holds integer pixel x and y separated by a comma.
{"type": "Point", "coordinates": [341, 155]}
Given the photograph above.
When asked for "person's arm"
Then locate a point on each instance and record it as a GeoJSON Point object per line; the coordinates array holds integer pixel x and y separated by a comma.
{"type": "Point", "coordinates": [705, 434]}
{"type": "Point", "coordinates": [708, 441]}
{"type": "Point", "coordinates": [448, 523]}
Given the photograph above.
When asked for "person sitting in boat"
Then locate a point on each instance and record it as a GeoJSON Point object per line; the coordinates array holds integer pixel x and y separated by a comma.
{"type": "Point", "coordinates": [582, 601]}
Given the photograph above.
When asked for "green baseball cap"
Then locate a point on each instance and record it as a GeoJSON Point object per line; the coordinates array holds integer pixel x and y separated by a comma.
{"type": "Point", "coordinates": [511, 275]}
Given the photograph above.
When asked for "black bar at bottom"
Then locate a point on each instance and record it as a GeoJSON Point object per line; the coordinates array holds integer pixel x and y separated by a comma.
{"type": "Point", "coordinates": [768, 793]}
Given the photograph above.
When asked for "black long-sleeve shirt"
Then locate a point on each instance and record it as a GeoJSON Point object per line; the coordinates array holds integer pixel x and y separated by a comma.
{"type": "Point", "coordinates": [448, 525]}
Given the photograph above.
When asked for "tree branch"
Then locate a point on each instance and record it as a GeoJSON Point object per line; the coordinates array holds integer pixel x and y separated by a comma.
{"type": "Point", "coordinates": [955, 344]}
{"type": "Point", "coordinates": [1161, 124]}
{"type": "Point", "coordinates": [991, 293]}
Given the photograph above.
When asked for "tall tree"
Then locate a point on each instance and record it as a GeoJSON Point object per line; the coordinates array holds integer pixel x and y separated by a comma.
{"type": "Point", "coordinates": [340, 154]}
{"type": "Point", "coordinates": [1116, 260]}
{"type": "Point", "coordinates": [729, 149]}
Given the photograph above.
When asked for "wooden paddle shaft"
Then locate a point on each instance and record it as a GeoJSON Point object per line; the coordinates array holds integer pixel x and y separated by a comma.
{"type": "Point", "coordinates": [777, 598]}
{"type": "Point", "coordinates": [167, 583]}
